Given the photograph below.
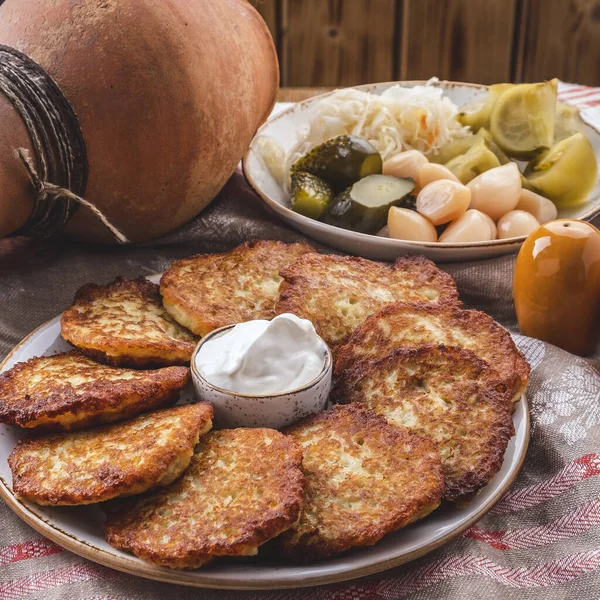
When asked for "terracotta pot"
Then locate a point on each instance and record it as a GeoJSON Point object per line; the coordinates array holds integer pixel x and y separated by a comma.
{"type": "Point", "coordinates": [168, 94]}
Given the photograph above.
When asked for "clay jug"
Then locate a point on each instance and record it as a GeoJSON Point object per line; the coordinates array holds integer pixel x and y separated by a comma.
{"type": "Point", "coordinates": [167, 95]}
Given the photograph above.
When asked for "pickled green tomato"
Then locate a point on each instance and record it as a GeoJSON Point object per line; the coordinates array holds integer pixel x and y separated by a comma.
{"type": "Point", "coordinates": [522, 120]}
{"type": "Point", "coordinates": [478, 159]}
{"type": "Point", "coordinates": [567, 173]}
{"type": "Point", "coordinates": [478, 115]}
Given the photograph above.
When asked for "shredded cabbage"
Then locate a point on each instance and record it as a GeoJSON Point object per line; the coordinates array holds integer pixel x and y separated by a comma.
{"type": "Point", "coordinates": [399, 119]}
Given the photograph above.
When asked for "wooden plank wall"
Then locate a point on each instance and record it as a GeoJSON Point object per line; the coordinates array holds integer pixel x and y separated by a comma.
{"type": "Point", "coordinates": [349, 42]}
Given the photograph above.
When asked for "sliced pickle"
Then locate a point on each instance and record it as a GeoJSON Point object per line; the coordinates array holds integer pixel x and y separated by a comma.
{"type": "Point", "coordinates": [310, 195]}
{"type": "Point", "coordinates": [477, 115]}
{"type": "Point", "coordinates": [364, 206]}
{"type": "Point", "coordinates": [409, 202]}
{"type": "Point", "coordinates": [478, 159]}
{"type": "Point", "coordinates": [568, 122]}
{"type": "Point", "coordinates": [461, 146]}
{"type": "Point", "coordinates": [522, 121]}
{"type": "Point", "coordinates": [341, 161]}
{"type": "Point", "coordinates": [567, 173]}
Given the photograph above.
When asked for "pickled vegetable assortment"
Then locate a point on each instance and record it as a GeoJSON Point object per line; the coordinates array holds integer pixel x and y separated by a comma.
{"type": "Point", "coordinates": [466, 187]}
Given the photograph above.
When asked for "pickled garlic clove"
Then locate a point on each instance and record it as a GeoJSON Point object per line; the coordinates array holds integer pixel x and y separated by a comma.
{"type": "Point", "coordinates": [516, 223]}
{"type": "Point", "coordinates": [492, 226]}
{"type": "Point", "coordinates": [496, 191]}
{"type": "Point", "coordinates": [405, 224]}
{"type": "Point", "coordinates": [405, 164]}
{"type": "Point", "coordinates": [541, 208]}
{"type": "Point", "coordinates": [433, 172]}
{"type": "Point", "coordinates": [473, 226]}
{"type": "Point", "coordinates": [443, 201]}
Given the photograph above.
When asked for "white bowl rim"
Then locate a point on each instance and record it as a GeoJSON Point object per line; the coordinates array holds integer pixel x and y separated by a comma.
{"type": "Point", "coordinates": [385, 241]}
{"type": "Point", "coordinates": [327, 367]}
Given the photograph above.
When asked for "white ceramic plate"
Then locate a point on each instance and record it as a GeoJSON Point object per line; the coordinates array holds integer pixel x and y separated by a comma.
{"type": "Point", "coordinates": [79, 529]}
{"type": "Point", "coordinates": [284, 126]}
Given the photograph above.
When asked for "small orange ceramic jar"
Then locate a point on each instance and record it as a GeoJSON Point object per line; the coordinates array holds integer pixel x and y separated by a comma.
{"type": "Point", "coordinates": [557, 285]}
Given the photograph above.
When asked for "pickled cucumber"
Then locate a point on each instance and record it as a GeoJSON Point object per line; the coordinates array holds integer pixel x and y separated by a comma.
{"type": "Point", "coordinates": [310, 195]}
{"type": "Point", "coordinates": [341, 161]}
{"type": "Point", "coordinates": [364, 206]}
{"type": "Point", "coordinates": [522, 120]}
{"type": "Point", "coordinates": [409, 201]}
{"type": "Point", "coordinates": [567, 173]}
{"type": "Point", "coordinates": [478, 115]}
{"type": "Point", "coordinates": [568, 122]}
{"type": "Point", "coordinates": [478, 159]}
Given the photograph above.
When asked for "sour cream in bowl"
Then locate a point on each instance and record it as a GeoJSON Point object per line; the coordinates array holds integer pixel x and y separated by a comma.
{"type": "Point", "coordinates": [263, 373]}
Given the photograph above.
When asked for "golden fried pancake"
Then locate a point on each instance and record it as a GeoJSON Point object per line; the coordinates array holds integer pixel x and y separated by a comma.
{"type": "Point", "coordinates": [408, 325]}
{"type": "Point", "coordinates": [124, 324]}
{"type": "Point", "coordinates": [209, 291]}
{"type": "Point", "coordinates": [364, 479]}
{"type": "Point", "coordinates": [109, 461]}
{"type": "Point", "coordinates": [337, 293]}
{"type": "Point", "coordinates": [243, 487]}
{"type": "Point", "coordinates": [70, 391]}
{"type": "Point", "coordinates": [448, 395]}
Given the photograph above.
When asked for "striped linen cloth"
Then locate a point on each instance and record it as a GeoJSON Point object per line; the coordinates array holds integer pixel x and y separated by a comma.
{"type": "Point", "coordinates": [541, 542]}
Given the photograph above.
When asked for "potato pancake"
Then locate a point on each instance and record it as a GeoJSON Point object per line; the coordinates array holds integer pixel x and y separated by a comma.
{"type": "Point", "coordinates": [70, 391]}
{"type": "Point", "coordinates": [209, 291]}
{"type": "Point", "coordinates": [243, 487]}
{"type": "Point", "coordinates": [364, 478]}
{"type": "Point", "coordinates": [447, 395]}
{"type": "Point", "coordinates": [124, 324]}
{"type": "Point", "coordinates": [111, 461]}
{"type": "Point", "coordinates": [409, 325]}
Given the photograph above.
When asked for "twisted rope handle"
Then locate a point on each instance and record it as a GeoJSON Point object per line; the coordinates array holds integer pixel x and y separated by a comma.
{"type": "Point", "coordinates": [49, 192]}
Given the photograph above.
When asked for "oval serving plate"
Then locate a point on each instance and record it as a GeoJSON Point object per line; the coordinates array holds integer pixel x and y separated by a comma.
{"type": "Point", "coordinates": [79, 529]}
{"type": "Point", "coordinates": [284, 126]}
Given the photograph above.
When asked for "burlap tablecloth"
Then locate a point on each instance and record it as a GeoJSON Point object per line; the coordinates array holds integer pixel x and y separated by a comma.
{"type": "Point", "coordinates": [542, 541]}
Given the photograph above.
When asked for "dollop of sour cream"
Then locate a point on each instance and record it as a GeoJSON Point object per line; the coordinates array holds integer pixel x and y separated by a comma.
{"type": "Point", "coordinates": [259, 358]}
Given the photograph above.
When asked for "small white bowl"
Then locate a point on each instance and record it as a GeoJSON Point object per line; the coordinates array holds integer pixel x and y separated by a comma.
{"type": "Point", "coordinates": [233, 409]}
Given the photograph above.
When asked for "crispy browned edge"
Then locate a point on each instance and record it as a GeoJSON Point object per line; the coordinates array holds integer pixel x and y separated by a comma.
{"type": "Point", "coordinates": [153, 389]}
{"type": "Point", "coordinates": [516, 380]}
{"type": "Point", "coordinates": [495, 393]}
{"type": "Point", "coordinates": [359, 418]}
{"type": "Point", "coordinates": [292, 289]}
{"type": "Point", "coordinates": [257, 531]}
{"type": "Point", "coordinates": [169, 282]}
{"type": "Point", "coordinates": [191, 416]}
{"type": "Point", "coordinates": [87, 294]}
